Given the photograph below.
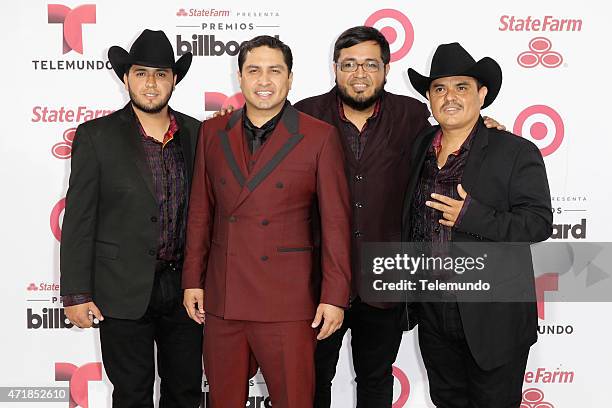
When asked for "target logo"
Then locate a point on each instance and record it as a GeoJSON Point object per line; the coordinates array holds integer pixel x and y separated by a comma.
{"type": "Point", "coordinates": [540, 54]}
{"type": "Point", "coordinates": [534, 398]}
{"type": "Point", "coordinates": [55, 219]}
{"type": "Point", "coordinates": [214, 101]}
{"type": "Point", "coordinates": [63, 150]}
{"type": "Point", "coordinates": [544, 127]}
{"type": "Point", "coordinates": [402, 378]}
{"type": "Point", "coordinates": [396, 28]}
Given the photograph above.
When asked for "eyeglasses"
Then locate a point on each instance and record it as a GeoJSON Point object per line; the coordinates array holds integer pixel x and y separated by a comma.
{"type": "Point", "coordinates": [352, 66]}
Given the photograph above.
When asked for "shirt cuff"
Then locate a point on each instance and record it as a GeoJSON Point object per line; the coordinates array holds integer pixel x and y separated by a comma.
{"type": "Point", "coordinates": [79, 299]}
{"type": "Point", "coordinates": [466, 204]}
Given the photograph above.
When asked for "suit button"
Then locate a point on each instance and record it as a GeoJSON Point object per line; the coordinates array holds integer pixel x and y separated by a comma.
{"type": "Point", "coordinates": [265, 222]}
{"type": "Point", "coordinates": [358, 177]}
{"type": "Point", "coordinates": [358, 234]}
{"type": "Point", "coordinates": [437, 229]}
{"type": "Point", "coordinates": [222, 181]}
{"type": "Point", "coordinates": [154, 219]}
{"type": "Point", "coordinates": [358, 204]}
{"type": "Point", "coordinates": [152, 252]}
{"type": "Point", "coordinates": [279, 185]}
{"type": "Point", "coordinates": [264, 258]}
{"type": "Point", "coordinates": [233, 219]}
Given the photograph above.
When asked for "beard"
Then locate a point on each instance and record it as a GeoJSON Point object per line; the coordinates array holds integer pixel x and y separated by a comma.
{"type": "Point", "coordinates": [149, 108]}
{"type": "Point", "coordinates": [363, 103]}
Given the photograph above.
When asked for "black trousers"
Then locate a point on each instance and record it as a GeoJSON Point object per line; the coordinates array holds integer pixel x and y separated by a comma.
{"type": "Point", "coordinates": [376, 335]}
{"type": "Point", "coordinates": [128, 349]}
{"type": "Point", "coordinates": [455, 379]}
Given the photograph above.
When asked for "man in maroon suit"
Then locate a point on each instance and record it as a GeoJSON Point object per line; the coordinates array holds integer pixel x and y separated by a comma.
{"type": "Point", "coordinates": [249, 252]}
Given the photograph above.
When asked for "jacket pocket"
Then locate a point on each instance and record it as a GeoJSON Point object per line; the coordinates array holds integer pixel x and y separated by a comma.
{"type": "Point", "coordinates": [107, 250]}
{"type": "Point", "coordinates": [294, 249]}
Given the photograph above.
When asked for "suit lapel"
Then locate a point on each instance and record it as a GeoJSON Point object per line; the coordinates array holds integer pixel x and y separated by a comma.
{"type": "Point", "coordinates": [232, 147]}
{"type": "Point", "coordinates": [184, 138]}
{"type": "Point", "coordinates": [476, 156]}
{"type": "Point", "coordinates": [422, 144]}
{"type": "Point", "coordinates": [377, 137]}
{"type": "Point", "coordinates": [281, 142]}
{"type": "Point", "coordinates": [129, 129]}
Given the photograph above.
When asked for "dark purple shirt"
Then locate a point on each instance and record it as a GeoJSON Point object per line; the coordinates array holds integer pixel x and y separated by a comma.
{"type": "Point", "coordinates": [425, 220]}
{"type": "Point", "coordinates": [357, 139]}
{"type": "Point", "coordinates": [167, 167]}
{"type": "Point", "coordinates": [170, 182]}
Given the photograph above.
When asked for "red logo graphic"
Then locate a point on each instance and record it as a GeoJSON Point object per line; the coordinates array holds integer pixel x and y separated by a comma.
{"type": "Point", "coordinates": [181, 12]}
{"type": "Point", "coordinates": [54, 220]}
{"type": "Point", "coordinates": [72, 21]}
{"type": "Point", "coordinates": [390, 20]}
{"type": "Point", "coordinates": [534, 398]}
{"type": "Point", "coordinates": [536, 121]}
{"type": "Point", "coordinates": [78, 377]}
{"type": "Point", "coordinates": [32, 286]}
{"type": "Point", "coordinates": [63, 150]}
{"type": "Point", "coordinates": [404, 387]}
{"type": "Point", "coordinates": [540, 54]}
{"type": "Point", "coordinates": [214, 101]}
{"type": "Point", "coordinates": [548, 282]}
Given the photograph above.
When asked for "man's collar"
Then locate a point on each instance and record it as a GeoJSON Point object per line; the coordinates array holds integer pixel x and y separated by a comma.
{"type": "Point", "coordinates": [340, 105]}
{"type": "Point", "coordinates": [270, 124]}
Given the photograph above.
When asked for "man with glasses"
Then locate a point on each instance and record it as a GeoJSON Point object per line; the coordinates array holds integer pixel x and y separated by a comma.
{"type": "Point", "coordinates": [377, 130]}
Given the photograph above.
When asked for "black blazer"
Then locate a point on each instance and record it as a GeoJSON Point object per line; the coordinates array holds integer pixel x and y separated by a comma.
{"type": "Point", "coordinates": [506, 179]}
{"type": "Point", "coordinates": [110, 231]}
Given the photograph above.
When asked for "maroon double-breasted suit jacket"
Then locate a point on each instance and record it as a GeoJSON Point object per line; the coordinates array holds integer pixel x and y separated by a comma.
{"type": "Point", "coordinates": [249, 234]}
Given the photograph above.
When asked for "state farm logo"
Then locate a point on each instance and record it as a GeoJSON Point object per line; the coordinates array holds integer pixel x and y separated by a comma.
{"type": "Point", "coordinates": [206, 12]}
{"type": "Point", "coordinates": [534, 398]}
{"type": "Point", "coordinates": [55, 218]}
{"type": "Point", "coordinates": [544, 127]}
{"type": "Point", "coordinates": [214, 101]}
{"type": "Point", "coordinates": [43, 287]}
{"type": "Point", "coordinates": [63, 114]}
{"type": "Point", "coordinates": [63, 149]}
{"type": "Point", "coordinates": [543, 376]}
{"type": "Point", "coordinates": [72, 21]}
{"type": "Point", "coordinates": [78, 378]}
{"type": "Point", "coordinates": [404, 383]}
{"type": "Point", "coordinates": [396, 28]}
{"type": "Point", "coordinates": [540, 54]}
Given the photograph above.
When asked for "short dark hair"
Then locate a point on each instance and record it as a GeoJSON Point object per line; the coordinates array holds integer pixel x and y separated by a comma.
{"type": "Point", "coordinates": [265, 41]}
{"type": "Point", "coordinates": [361, 34]}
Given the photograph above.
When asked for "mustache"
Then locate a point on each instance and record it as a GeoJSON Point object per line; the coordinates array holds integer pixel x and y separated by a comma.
{"type": "Point", "coordinates": [452, 105]}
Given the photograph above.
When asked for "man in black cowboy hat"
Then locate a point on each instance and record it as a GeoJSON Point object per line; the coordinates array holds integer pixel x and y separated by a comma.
{"type": "Point", "coordinates": [474, 185]}
{"type": "Point", "coordinates": [124, 231]}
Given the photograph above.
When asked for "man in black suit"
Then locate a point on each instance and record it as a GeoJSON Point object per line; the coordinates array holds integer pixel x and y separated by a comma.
{"type": "Point", "coordinates": [124, 231]}
{"type": "Point", "coordinates": [474, 185]}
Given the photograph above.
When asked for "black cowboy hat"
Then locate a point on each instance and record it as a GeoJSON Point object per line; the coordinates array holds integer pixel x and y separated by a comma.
{"type": "Point", "coordinates": [151, 49]}
{"type": "Point", "coordinates": [453, 60]}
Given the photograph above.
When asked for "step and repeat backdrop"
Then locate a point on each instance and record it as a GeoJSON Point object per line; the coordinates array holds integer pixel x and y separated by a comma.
{"type": "Point", "coordinates": [56, 75]}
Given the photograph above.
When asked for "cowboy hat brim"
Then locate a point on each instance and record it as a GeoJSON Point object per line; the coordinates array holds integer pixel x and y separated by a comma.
{"type": "Point", "coordinates": [487, 71]}
{"type": "Point", "coordinates": [120, 59]}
